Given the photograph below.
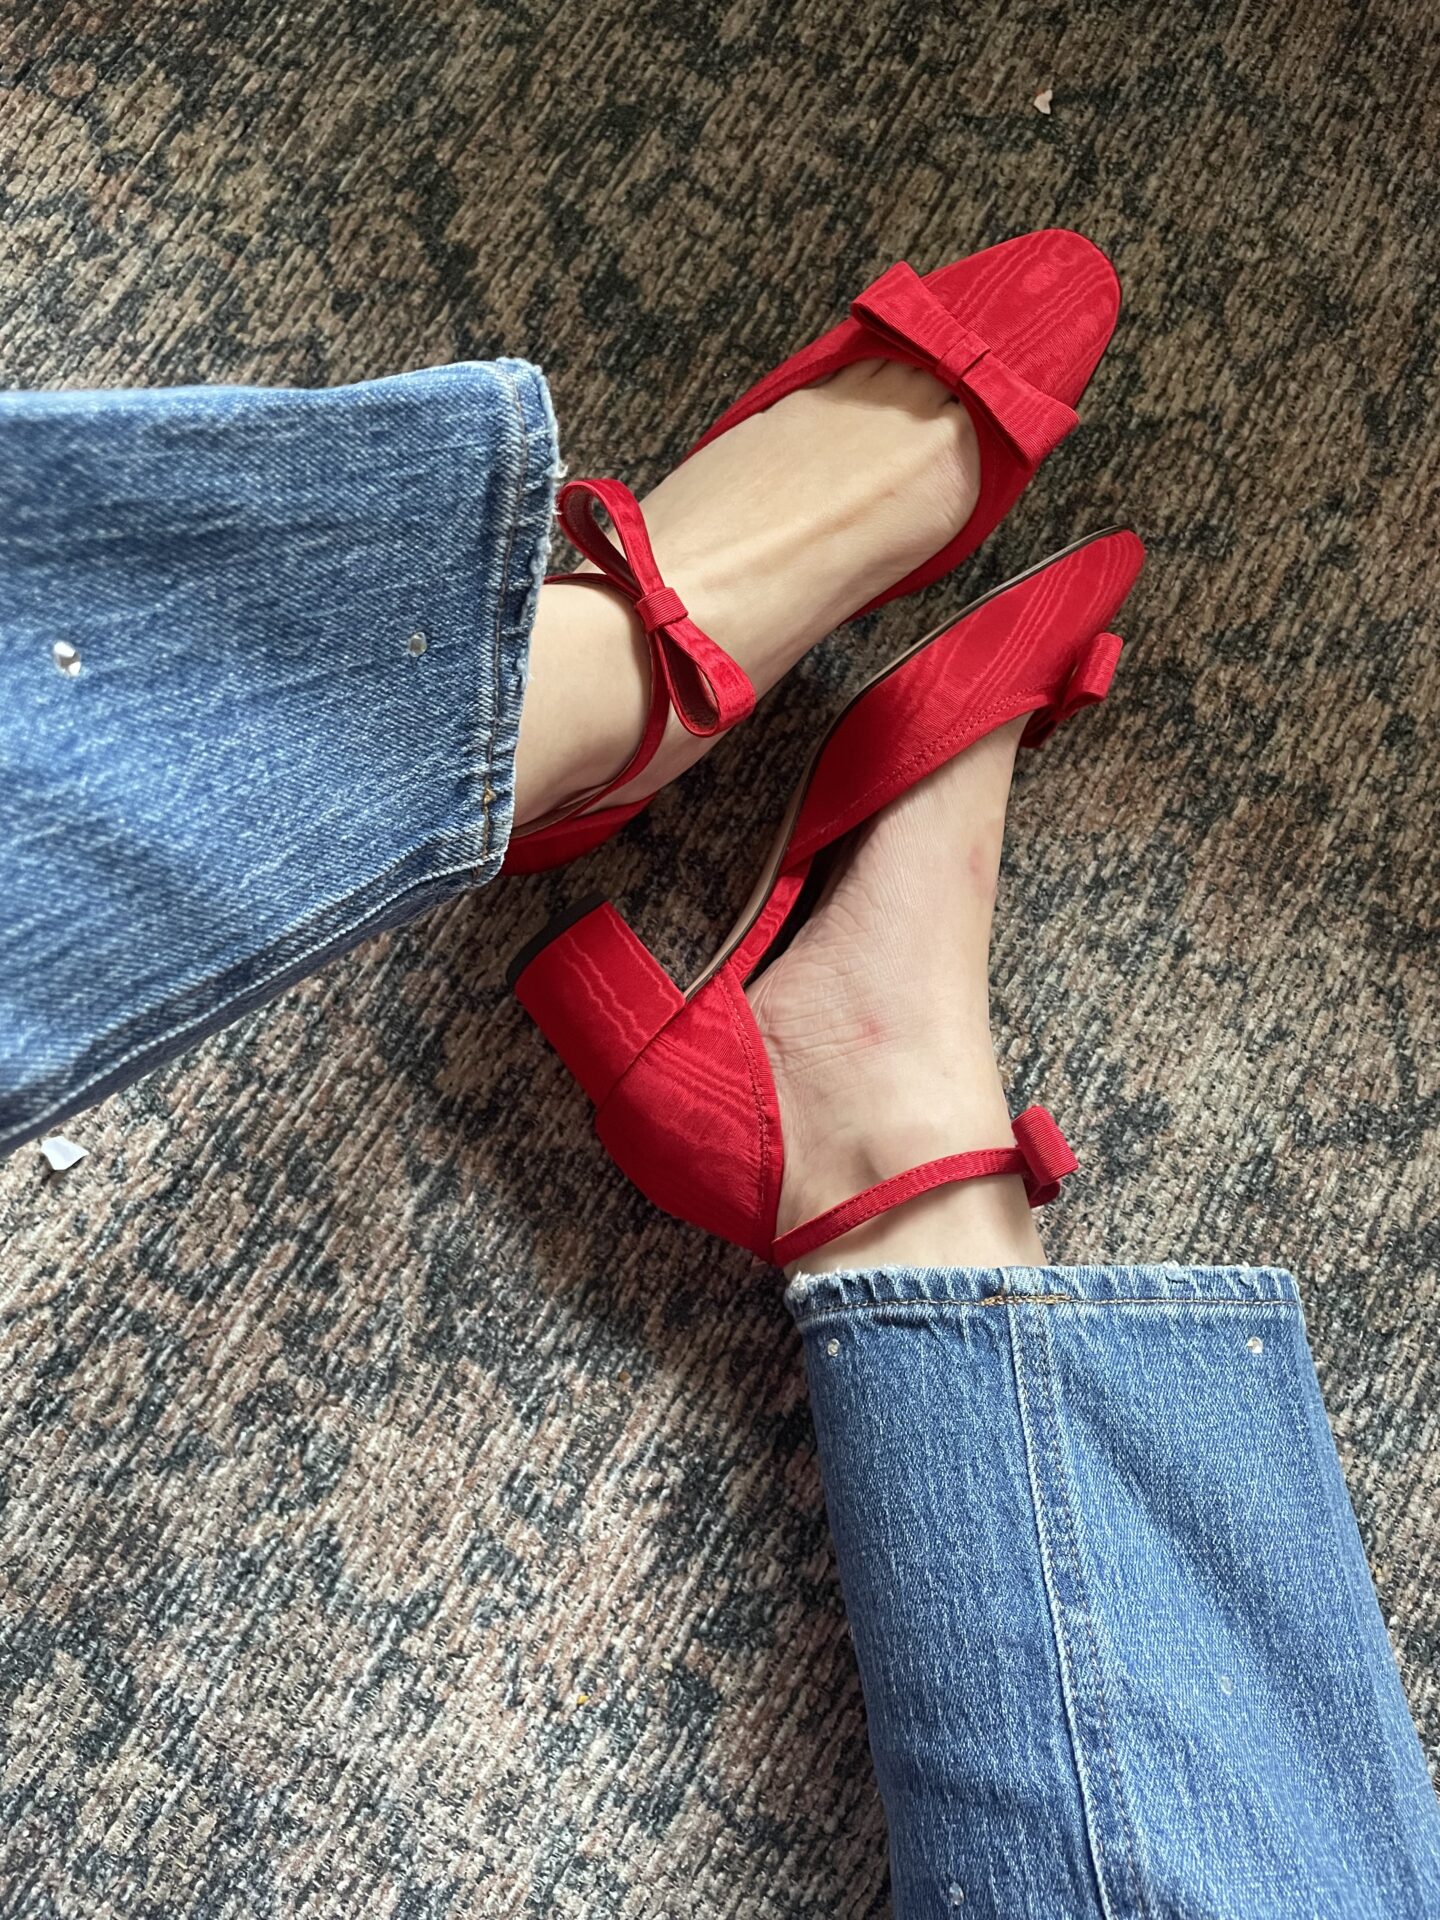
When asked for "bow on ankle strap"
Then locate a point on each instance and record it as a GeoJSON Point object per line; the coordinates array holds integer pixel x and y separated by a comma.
{"type": "Point", "coordinates": [901, 308]}
{"type": "Point", "coordinates": [1041, 1156]}
{"type": "Point", "coordinates": [1045, 1155]}
{"type": "Point", "coordinates": [1089, 682]}
{"type": "Point", "coordinates": [707, 689]}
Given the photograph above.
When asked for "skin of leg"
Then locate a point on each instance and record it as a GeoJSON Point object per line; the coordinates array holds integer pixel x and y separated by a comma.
{"type": "Point", "coordinates": [772, 535]}
{"type": "Point", "coordinates": [876, 1019]}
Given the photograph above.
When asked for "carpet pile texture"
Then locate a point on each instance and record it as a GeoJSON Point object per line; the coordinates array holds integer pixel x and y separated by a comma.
{"type": "Point", "coordinates": [401, 1519]}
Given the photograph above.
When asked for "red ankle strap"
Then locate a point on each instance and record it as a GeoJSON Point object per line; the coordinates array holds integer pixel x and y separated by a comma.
{"type": "Point", "coordinates": [692, 674]}
{"type": "Point", "coordinates": [1041, 1156]}
{"type": "Point", "coordinates": [900, 307]}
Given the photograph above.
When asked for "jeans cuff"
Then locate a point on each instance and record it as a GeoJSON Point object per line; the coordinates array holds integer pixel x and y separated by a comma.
{"type": "Point", "coordinates": [815, 1296]}
{"type": "Point", "coordinates": [527, 554]}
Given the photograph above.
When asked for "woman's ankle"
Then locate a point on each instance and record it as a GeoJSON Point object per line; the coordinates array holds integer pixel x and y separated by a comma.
{"type": "Point", "coordinates": [975, 1223]}
{"type": "Point", "coordinates": [772, 535]}
{"type": "Point", "coordinates": [876, 1022]}
{"type": "Point", "coordinates": [585, 698]}
{"type": "Point", "coordinates": [909, 1118]}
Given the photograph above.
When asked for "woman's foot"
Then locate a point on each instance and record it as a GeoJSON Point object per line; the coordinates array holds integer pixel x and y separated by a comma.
{"type": "Point", "coordinates": [772, 535]}
{"type": "Point", "coordinates": [876, 1020]}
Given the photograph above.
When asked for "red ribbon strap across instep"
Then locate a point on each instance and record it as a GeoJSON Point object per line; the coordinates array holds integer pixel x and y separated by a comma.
{"type": "Point", "coordinates": [901, 308]}
{"type": "Point", "coordinates": [1041, 1156]}
{"type": "Point", "coordinates": [695, 676]}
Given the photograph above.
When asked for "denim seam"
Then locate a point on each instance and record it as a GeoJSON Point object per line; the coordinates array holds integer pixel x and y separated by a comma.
{"type": "Point", "coordinates": [1072, 1528]}
{"type": "Point", "coordinates": [1059, 1623]}
{"type": "Point", "coordinates": [1057, 1618]}
{"type": "Point", "coordinates": [501, 595]}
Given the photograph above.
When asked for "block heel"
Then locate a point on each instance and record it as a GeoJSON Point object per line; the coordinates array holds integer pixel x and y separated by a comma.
{"type": "Point", "coordinates": [595, 991]}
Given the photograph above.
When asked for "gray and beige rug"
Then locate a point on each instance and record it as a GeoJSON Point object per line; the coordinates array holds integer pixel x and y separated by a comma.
{"type": "Point", "coordinates": [399, 1518]}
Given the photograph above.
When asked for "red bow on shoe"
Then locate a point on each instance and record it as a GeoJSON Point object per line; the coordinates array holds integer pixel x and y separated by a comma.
{"type": "Point", "coordinates": [1089, 683]}
{"type": "Point", "coordinates": [901, 308]}
{"type": "Point", "coordinates": [1046, 1154]}
{"type": "Point", "coordinates": [708, 690]}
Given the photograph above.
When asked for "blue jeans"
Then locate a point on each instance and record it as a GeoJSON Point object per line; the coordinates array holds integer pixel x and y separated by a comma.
{"type": "Point", "coordinates": [1120, 1650]}
{"type": "Point", "coordinates": [263, 662]}
{"type": "Point", "coordinates": [262, 655]}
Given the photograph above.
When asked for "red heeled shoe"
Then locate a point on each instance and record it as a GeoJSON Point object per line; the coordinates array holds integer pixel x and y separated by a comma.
{"type": "Point", "coordinates": [685, 1099]}
{"type": "Point", "coordinates": [1014, 331]}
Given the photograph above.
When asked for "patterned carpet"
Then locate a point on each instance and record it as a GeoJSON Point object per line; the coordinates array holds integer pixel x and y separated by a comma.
{"type": "Point", "coordinates": [399, 1518]}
